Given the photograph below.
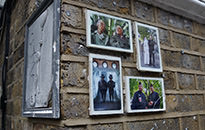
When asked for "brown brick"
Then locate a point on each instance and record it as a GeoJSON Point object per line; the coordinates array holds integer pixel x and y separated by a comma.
{"type": "Point", "coordinates": [72, 16]}
{"type": "Point", "coordinates": [181, 41]}
{"type": "Point", "coordinates": [16, 90]}
{"type": "Point", "coordinates": [202, 122]}
{"type": "Point", "coordinates": [163, 17]}
{"type": "Point", "coordinates": [167, 18]}
{"type": "Point", "coordinates": [107, 127]}
{"type": "Point", "coordinates": [184, 103]}
{"type": "Point", "coordinates": [188, 25]}
{"type": "Point", "coordinates": [10, 62]}
{"type": "Point", "coordinates": [74, 44]}
{"type": "Point", "coordinates": [18, 54]}
{"type": "Point", "coordinates": [201, 82]}
{"type": "Point", "coordinates": [186, 81]}
{"type": "Point", "coordinates": [31, 7]}
{"type": "Point", "coordinates": [170, 58]}
{"type": "Point", "coordinates": [130, 72]}
{"type": "Point", "coordinates": [203, 63]}
{"type": "Point", "coordinates": [9, 108]}
{"type": "Point", "coordinates": [169, 80]}
{"type": "Point", "coordinates": [166, 124]}
{"type": "Point", "coordinates": [198, 45]}
{"type": "Point", "coordinates": [12, 31]}
{"type": "Point", "coordinates": [27, 125]}
{"type": "Point", "coordinates": [17, 103]}
{"type": "Point", "coordinates": [19, 72]}
{"type": "Point", "coordinates": [38, 126]}
{"type": "Point", "coordinates": [19, 38]}
{"type": "Point", "coordinates": [10, 77]}
{"type": "Point", "coordinates": [20, 14]}
{"type": "Point", "coordinates": [74, 74]}
{"type": "Point", "coordinates": [8, 123]}
{"type": "Point", "coordinates": [18, 124]}
{"type": "Point", "coordinates": [190, 123]}
{"type": "Point", "coordinates": [175, 21]}
{"type": "Point", "coordinates": [190, 62]}
{"type": "Point", "coordinates": [200, 29]}
{"type": "Point", "coordinates": [74, 106]}
{"type": "Point", "coordinates": [164, 37]}
{"type": "Point", "coordinates": [144, 11]}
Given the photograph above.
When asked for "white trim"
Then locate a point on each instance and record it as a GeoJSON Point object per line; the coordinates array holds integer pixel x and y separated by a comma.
{"type": "Point", "coordinates": [138, 49]}
{"type": "Point", "coordinates": [91, 108]}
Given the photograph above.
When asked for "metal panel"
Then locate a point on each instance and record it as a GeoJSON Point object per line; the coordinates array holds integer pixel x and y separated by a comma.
{"type": "Point", "coordinates": [41, 76]}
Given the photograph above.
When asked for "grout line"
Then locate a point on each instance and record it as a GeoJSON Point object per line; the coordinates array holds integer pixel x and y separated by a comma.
{"type": "Point", "coordinates": [84, 59]}
{"type": "Point", "coordinates": [199, 122]}
{"type": "Point", "coordinates": [124, 126]}
{"type": "Point", "coordinates": [191, 42]}
{"type": "Point", "coordinates": [129, 118]}
{"type": "Point", "coordinates": [155, 15]}
{"type": "Point", "coordinates": [177, 81]}
{"type": "Point", "coordinates": [132, 8]}
{"type": "Point", "coordinates": [180, 124]}
{"type": "Point", "coordinates": [196, 82]}
{"type": "Point", "coordinates": [201, 63]}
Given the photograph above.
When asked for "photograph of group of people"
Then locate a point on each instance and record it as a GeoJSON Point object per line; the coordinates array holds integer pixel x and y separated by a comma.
{"type": "Point", "coordinates": [108, 32]}
{"type": "Point", "coordinates": [113, 33]}
{"type": "Point", "coordinates": [145, 94]}
{"type": "Point", "coordinates": [148, 48]}
{"type": "Point", "coordinates": [106, 84]}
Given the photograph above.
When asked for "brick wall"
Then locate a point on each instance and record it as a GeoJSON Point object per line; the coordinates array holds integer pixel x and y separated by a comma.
{"type": "Point", "coordinates": [182, 49]}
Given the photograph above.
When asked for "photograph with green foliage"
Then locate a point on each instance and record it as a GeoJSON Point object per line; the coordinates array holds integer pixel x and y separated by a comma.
{"type": "Point", "coordinates": [109, 31]}
{"type": "Point", "coordinates": [148, 45]}
{"type": "Point", "coordinates": [146, 94]}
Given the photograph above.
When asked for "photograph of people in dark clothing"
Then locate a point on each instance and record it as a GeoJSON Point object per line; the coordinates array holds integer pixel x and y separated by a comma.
{"type": "Point", "coordinates": [108, 32]}
{"type": "Point", "coordinates": [148, 48]}
{"type": "Point", "coordinates": [145, 94]}
{"type": "Point", "coordinates": [106, 86]}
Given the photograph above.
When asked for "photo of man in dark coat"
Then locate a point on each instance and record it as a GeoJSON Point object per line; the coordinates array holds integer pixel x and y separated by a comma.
{"type": "Point", "coordinates": [139, 100]}
{"type": "Point", "coordinates": [102, 86]}
{"type": "Point", "coordinates": [119, 39]}
{"type": "Point", "coordinates": [151, 44]}
{"type": "Point", "coordinates": [99, 37]}
{"type": "Point", "coordinates": [153, 99]}
{"type": "Point", "coordinates": [111, 86]}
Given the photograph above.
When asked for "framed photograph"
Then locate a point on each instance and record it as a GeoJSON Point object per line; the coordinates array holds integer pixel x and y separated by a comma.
{"type": "Point", "coordinates": [144, 94]}
{"type": "Point", "coordinates": [108, 32]}
{"type": "Point", "coordinates": [105, 85]}
{"type": "Point", "coordinates": [148, 48]}
{"type": "Point", "coordinates": [41, 62]}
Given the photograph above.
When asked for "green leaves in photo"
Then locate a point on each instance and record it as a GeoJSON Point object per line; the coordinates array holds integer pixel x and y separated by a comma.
{"type": "Point", "coordinates": [134, 83]}
{"type": "Point", "coordinates": [111, 24]}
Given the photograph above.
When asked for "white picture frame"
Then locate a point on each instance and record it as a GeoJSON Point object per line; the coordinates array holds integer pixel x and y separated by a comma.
{"type": "Point", "coordinates": [148, 48]}
{"type": "Point", "coordinates": [42, 62]}
{"type": "Point", "coordinates": [111, 102]}
{"type": "Point", "coordinates": [133, 104]}
{"type": "Point", "coordinates": [108, 37]}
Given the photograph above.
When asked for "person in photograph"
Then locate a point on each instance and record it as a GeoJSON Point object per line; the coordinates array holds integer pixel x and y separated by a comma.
{"type": "Point", "coordinates": [151, 44]}
{"type": "Point", "coordinates": [146, 51]}
{"type": "Point", "coordinates": [99, 37]}
{"type": "Point", "coordinates": [119, 40]}
{"type": "Point", "coordinates": [102, 86]}
{"type": "Point", "coordinates": [111, 86]}
{"type": "Point", "coordinates": [139, 100]}
{"type": "Point", "coordinates": [153, 99]}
